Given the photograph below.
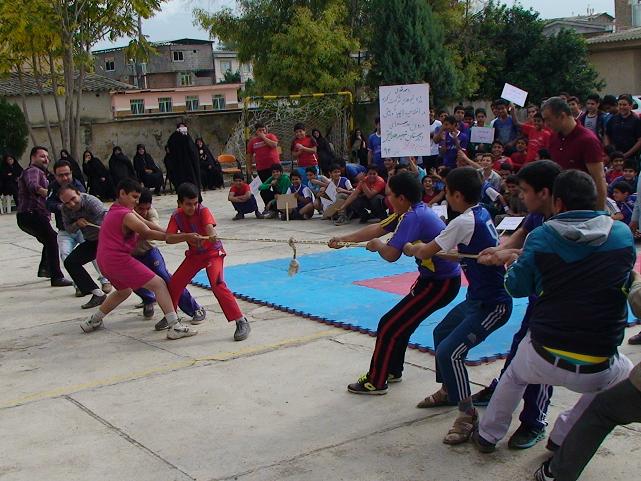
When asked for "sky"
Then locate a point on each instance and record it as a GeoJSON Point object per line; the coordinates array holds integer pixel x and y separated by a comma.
{"type": "Point", "coordinates": [175, 20]}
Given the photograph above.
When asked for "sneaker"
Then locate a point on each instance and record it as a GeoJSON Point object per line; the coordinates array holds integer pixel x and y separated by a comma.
{"type": "Point", "coordinates": [525, 437]}
{"type": "Point", "coordinates": [635, 340]}
{"type": "Point", "coordinates": [106, 287]}
{"type": "Point", "coordinates": [482, 398]}
{"type": "Point", "coordinates": [363, 386]}
{"type": "Point", "coordinates": [543, 473]}
{"type": "Point", "coordinates": [90, 324]}
{"type": "Point", "coordinates": [44, 273]}
{"type": "Point", "coordinates": [552, 446]}
{"type": "Point", "coordinates": [394, 378]}
{"type": "Point", "coordinates": [270, 215]}
{"type": "Point", "coordinates": [242, 329]}
{"type": "Point", "coordinates": [95, 301]}
{"type": "Point", "coordinates": [180, 330]}
{"type": "Point", "coordinates": [79, 293]}
{"type": "Point", "coordinates": [199, 316]}
{"type": "Point", "coordinates": [364, 218]}
{"type": "Point", "coordinates": [162, 324]}
{"type": "Point", "coordinates": [148, 311]}
{"type": "Point", "coordinates": [481, 444]}
{"type": "Point", "coordinates": [342, 220]}
{"type": "Point", "coordinates": [61, 282]}
{"type": "Point", "coordinates": [258, 215]}
{"type": "Point", "coordinates": [238, 216]}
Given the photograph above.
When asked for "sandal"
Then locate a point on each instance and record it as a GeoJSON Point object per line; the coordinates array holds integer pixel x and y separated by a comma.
{"type": "Point", "coordinates": [438, 399]}
{"type": "Point", "coordinates": [462, 429]}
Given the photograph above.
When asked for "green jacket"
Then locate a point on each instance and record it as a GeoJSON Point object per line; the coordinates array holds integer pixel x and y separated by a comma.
{"type": "Point", "coordinates": [281, 187]}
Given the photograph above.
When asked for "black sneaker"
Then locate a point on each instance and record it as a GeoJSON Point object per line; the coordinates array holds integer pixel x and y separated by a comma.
{"type": "Point", "coordinates": [481, 444]}
{"type": "Point", "coordinates": [525, 437]}
{"type": "Point", "coordinates": [95, 301]}
{"type": "Point", "coordinates": [258, 215]}
{"type": "Point", "coordinates": [61, 282]}
{"type": "Point", "coordinates": [242, 329]}
{"type": "Point", "coordinates": [238, 216]}
{"type": "Point", "coordinates": [44, 273]}
{"type": "Point", "coordinates": [482, 398]}
{"type": "Point", "coordinates": [363, 386]}
{"type": "Point", "coordinates": [543, 473]}
{"type": "Point", "coordinates": [162, 324]}
{"type": "Point", "coordinates": [552, 446]}
{"type": "Point", "coordinates": [364, 218]}
{"type": "Point", "coordinates": [148, 311]}
{"type": "Point", "coordinates": [394, 378]}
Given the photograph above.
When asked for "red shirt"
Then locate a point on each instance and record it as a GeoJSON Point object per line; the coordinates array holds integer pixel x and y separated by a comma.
{"type": "Point", "coordinates": [240, 190]}
{"type": "Point", "coordinates": [518, 159]}
{"type": "Point", "coordinates": [579, 148]}
{"type": "Point", "coordinates": [264, 155]}
{"type": "Point", "coordinates": [537, 140]}
{"type": "Point", "coordinates": [502, 160]}
{"type": "Point", "coordinates": [198, 222]}
{"type": "Point", "coordinates": [377, 185]}
{"type": "Point", "coordinates": [305, 159]}
{"type": "Point", "coordinates": [612, 174]}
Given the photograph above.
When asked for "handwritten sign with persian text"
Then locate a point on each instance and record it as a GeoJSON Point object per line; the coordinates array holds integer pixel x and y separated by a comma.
{"type": "Point", "coordinates": [405, 120]}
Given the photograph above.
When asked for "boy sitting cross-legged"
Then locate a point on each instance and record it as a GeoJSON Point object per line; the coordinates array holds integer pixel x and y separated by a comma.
{"type": "Point", "coordinates": [486, 308]}
{"type": "Point", "coordinates": [241, 197]}
{"type": "Point", "coordinates": [278, 184]}
{"type": "Point", "coordinates": [304, 208]}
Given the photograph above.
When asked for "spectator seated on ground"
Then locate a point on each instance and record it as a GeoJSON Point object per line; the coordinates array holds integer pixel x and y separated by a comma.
{"type": "Point", "coordinates": [615, 169]}
{"type": "Point", "coordinates": [629, 175]}
{"type": "Point", "coordinates": [493, 201]}
{"type": "Point", "coordinates": [513, 198]}
{"type": "Point", "coordinates": [498, 158]}
{"type": "Point", "coordinates": [278, 183]}
{"type": "Point", "coordinates": [431, 195]}
{"type": "Point", "coordinates": [624, 196]}
{"type": "Point", "coordinates": [304, 208]}
{"type": "Point", "coordinates": [354, 172]}
{"type": "Point", "coordinates": [505, 171]}
{"type": "Point", "coordinates": [366, 201]}
{"type": "Point", "coordinates": [315, 181]}
{"type": "Point", "coordinates": [519, 157]}
{"type": "Point", "coordinates": [343, 190]}
{"type": "Point", "coordinates": [242, 199]}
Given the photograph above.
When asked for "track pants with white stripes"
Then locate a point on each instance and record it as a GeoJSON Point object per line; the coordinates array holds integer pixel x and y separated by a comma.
{"type": "Point", "coordinates": [400, 322]}
{"type": "Point", "coordinates": [464, 327]}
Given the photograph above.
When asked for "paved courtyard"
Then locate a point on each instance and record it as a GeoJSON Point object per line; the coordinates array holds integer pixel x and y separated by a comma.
{"type": "Point", "coordinates": [124, 403]}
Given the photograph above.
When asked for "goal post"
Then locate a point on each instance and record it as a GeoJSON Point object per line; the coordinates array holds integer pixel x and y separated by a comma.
{"type": "Point", "coordinates": [331, 113]}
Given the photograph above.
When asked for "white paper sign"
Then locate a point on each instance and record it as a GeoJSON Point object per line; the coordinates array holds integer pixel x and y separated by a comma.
{"type": "Point", "coordinates": [510, 223]}
{"type": "Point", "coordinates": [253, 186]}
{"type": "Point", "coordinates": [482, 135]}
{"type": "Point", "coordinates": [440, 210]}
{"type": "Point", "coordinates": [405, 120]}
{"type": "Point", "coordinates": [514, 94]}
{"type": "Point", "coordinates": [331, 191]}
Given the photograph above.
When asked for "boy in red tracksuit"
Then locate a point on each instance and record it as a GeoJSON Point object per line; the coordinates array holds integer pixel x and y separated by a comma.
{"type": "Point", "coordinates": [191, 216]}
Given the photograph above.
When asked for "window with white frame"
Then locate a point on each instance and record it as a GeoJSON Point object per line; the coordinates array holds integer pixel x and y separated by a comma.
{"type": "Point", "coordinates": [218, 102]}
{"type": "Point", "coordinates": [185, 79]}
{"type": "Point", "coordinates": [164, 104]}
{"type": "Point", "coordinates": [137, 106]}
{"type": "Point", "coordinates": [191, 102]}
{"type": "Point", "coordinates": [178, 56]}
{"type": "Point", "coordinates": [110, 65]}
{"type": "Point", "coordinates": [225, 66]}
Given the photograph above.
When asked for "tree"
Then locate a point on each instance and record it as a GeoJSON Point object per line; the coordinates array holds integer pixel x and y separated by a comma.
{"type": "Point", "coordinates": [231, 77]}
{"type": "Point", "coordinates": [294, 45]}
{"type": "Point", "coordinates": [407, 47]}
{"type": "Point", "coordinates": [13, 129]}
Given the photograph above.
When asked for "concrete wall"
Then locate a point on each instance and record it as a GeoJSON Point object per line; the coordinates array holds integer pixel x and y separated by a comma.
{"type": "Point", "coordinates": [101, 137]}
{"type": "Point", "coordinates": [620, 68]}
{"type": "Point", "coordinates": [96, 106]}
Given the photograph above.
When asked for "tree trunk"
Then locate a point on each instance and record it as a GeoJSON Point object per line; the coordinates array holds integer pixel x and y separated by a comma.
{"type": "Point", "coordinates": [23, 97]}
{"type": "Point", "coordinates": [38, 80]}
{"type": "Point", "coordinates": [76, 125]}
{"type": "Point", "coordinates": [56, 99]}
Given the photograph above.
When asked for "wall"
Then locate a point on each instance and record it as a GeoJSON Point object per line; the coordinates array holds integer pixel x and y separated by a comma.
{"type": "Point", "coordinates": [96, 106]}
{"type": "Point", "coordinates": [610, 62]}
{"type": "Point", "coordinates": [622, 14]}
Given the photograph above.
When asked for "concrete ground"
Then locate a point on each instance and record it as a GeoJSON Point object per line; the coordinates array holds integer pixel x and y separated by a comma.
{"type": "Point", "coordinates": [124, 403]}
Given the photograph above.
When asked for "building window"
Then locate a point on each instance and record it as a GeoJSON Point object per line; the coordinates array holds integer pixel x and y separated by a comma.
{"type": "Point", "coordinates": [178, 56]}
{"type": "Point", "coordinates": [164, 104]}
{"type": "Point", "coordinates": [110, 65]}
{"type": "Point", "coordinates": [185, 79]}
{"type": "Point", "coordinates": [246, 68]}
{"type": "Point", "coordinates": [218, 102]}
{"type": "Point", "coordinates": [225, 66]}
{"type": "Point", "coordinates": [137, 106]}
{"type": "Point", "coordinates": [191, 102]}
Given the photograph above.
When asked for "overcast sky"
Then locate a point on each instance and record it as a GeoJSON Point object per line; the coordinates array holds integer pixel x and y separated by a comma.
{"type": "Point", "coordinates": [175, 20]}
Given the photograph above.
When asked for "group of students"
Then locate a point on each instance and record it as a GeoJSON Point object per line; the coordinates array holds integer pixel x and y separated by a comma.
{"type": "Point", "coordinates": [119, 243]}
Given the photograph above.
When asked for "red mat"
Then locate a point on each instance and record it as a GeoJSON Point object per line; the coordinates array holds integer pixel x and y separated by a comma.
{"type": "Point", "coordinates": [398, 284]}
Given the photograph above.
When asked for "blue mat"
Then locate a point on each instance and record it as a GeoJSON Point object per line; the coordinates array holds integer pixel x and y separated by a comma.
{"type": "Point", "coordinates": [324, 291]}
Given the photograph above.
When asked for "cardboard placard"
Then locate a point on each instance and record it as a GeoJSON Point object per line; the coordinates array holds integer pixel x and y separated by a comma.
{"type": "Point", "coordinates": [440, 210]}
{"type": "Point", "coordinates": [510, 223]}
{"type": "Point", "coordinates": [514, 94]}
{"type": "Point", "coordinates": [482, 135]}
{"type": "Point", "coordinates": [286, 201]}
{"type": "Point", "coordinates": [405, 120]}
{"type": "Point", "coordinates": [331, 191]}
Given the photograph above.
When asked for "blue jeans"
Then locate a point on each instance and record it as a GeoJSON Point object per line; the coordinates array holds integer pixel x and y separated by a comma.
{"type": "Point", "coordinates": [465, 326]}
{"type": "Point", "coordinates": [67, 241]}
{"type": "Point", "coordinates": [154, 260]}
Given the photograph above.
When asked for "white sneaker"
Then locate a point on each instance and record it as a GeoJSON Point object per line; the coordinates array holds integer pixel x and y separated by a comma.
{"type": "Point", "coordinates": [180, 330]}
{"type": "Point", "coordinates": [107, 287]}
{"type": "Point", "coordinates": [199, 316]}
{"type": "Point", "coordinates": [90, 324]}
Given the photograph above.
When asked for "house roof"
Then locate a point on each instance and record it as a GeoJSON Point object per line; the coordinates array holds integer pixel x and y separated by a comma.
{"type": "Point", "coordinates": [10, 85]}
{"type": "Point", "coordinates": [180, 41]}
{"type": "Point", "coordinates": [598, 18]}
{"type": "Point", "coordinates": [622, 36]}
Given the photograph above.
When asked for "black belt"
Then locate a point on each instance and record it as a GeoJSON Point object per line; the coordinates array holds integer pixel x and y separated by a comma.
{"type": "Point", "coordinates": [567, 365]}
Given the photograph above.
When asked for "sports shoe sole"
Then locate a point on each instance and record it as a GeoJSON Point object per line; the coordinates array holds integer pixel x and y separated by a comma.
{"type": "Point", "coordinates": [89, 327]}
{"type": "Point", "coordinates": [173, 335]}
{"type": "Point", "coordinates": [539, 437]}
{"type": "Point", "coordinates": [394, 379]}
{"type": "Point", "coordinates": [377, 392]}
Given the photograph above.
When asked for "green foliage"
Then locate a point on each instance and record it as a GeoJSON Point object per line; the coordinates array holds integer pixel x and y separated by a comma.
{"type": "Point", "coordinates": [407, 47]}
{"type": "Point", "coordinates": [231, 77]}
{"type": "Point", "coordinates": [13, 129]}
